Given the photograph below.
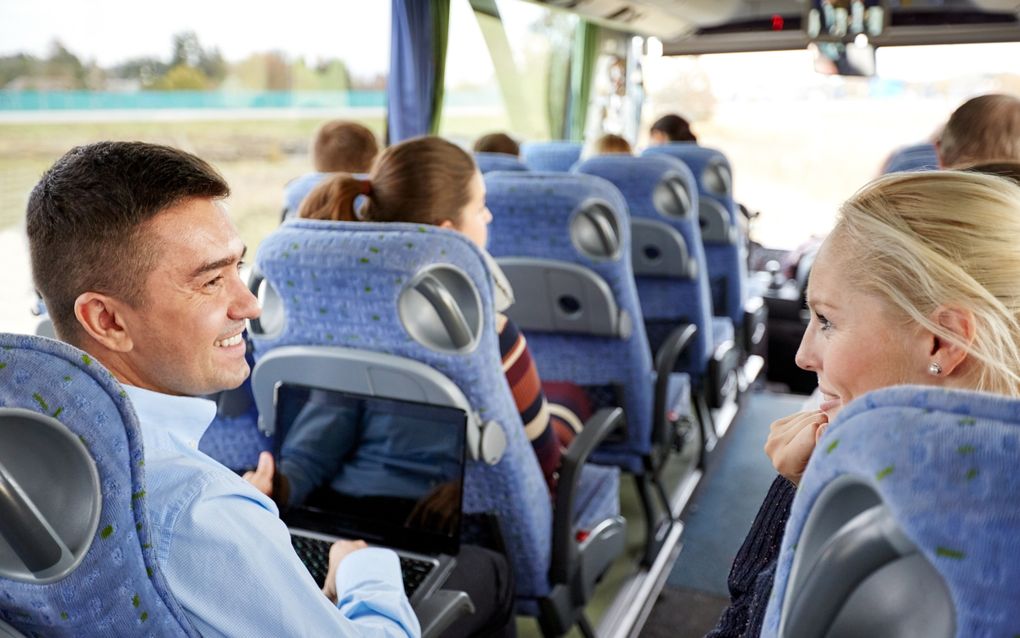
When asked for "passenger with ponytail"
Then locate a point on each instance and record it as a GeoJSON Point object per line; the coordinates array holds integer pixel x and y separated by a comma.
{"type": "Point", "coordinates": [431, 181]}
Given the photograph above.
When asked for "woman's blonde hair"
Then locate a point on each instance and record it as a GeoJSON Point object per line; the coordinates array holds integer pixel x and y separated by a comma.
{"type": "Point", "coordinates": [943, 238]}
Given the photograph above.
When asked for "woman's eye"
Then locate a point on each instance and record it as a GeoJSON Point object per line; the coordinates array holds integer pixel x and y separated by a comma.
{"type": "Point", "coordinates": [823, 323]}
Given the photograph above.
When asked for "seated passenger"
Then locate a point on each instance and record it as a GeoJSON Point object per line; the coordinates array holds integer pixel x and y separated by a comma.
{"type": "Point", "coordinates": [138, 264]}
{"type": "Point", "coordinates": [916, 284]}
{"type": "Point", "coordinates": [982, 129]}
{"type": "Point", "coordinates": [431, 181]}
{"type": "Point", "coordinates": [344, 147]}
{"type": "Point", "coordinates": [497, 143]}
{"type": "Point", "coordinates": [339, 147]}
{"type": "Point", "coordinates": [610, 144]}
{"type": "Point", "coordinates": [671, 128]}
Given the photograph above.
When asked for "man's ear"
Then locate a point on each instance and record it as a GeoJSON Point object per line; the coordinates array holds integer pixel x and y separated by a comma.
{"type": "Point", "coordinates": [102, 318]}
{"type": "Point", "coordinates": [960, 323]}
{"type": "Point", "coordinates": [447, 224]}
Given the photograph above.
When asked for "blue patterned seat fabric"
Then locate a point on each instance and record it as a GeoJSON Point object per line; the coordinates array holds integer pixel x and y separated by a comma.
{"type": "Point", "coordinates": [531, 215]}
{"type": "Point", "coordinates": [297, 189]}
{"type": "Point", "coordinates": [666, 302]}
{"type": "Point", "coordinates": [944, 462]}
{"type": "Point", "coordinates": [118, 588]}
{"type": "Point", "coordinates": [918, 157]}
{"type": "Point", "coordinates": [488, 162]}
{"type": "Point", "coordinates": [339, 284]}
{"type": "Point", "coordinates": [557, 156]}
{"type": "Point", "coordinates": [727, 261]}
{"type": "Point", "coordinates": [234, 439]}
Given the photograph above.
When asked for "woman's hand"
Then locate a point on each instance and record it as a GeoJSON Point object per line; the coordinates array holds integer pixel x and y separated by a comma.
{"type": "Point", "coordinates": [791, 441]}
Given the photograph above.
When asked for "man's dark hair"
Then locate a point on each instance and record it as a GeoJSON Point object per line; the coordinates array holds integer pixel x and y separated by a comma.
{"type": "Point", "coordinates": [675, 128]}
{"type": "Point", "coordinates": [85, 219]}
{"type": "Point", "coordinates": [497, 143]}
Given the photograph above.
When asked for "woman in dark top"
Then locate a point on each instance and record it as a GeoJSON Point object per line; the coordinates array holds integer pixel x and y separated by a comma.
{"type": "Point", "coordinates": [916, 284]}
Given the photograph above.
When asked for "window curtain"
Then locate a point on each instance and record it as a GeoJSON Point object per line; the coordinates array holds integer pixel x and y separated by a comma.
{"type": "Point", "coordinates": [419, 32]}
{"type": "Point", "coordinates": [582, 68]}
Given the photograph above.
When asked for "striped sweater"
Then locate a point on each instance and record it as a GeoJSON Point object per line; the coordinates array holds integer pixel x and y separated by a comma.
{"type": "Point", "coordinates": [549, 428]}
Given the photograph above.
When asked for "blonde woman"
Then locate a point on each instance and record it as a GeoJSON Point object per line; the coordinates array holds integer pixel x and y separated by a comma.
{"type": "Point", "coordinates": [917, 283]}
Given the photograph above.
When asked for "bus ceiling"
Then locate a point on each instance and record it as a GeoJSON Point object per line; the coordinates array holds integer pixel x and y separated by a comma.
{"type": "Point", "coordinates": [695, 27]}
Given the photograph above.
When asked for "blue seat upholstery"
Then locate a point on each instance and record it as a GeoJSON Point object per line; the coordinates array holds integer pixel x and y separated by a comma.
{"type": "Point", "coordinates": [938, 469]}
{"type": "Point", "coordinates": [488, 162]}
{"type": "Point", "coordinates": [725, 249]}
{"type": "Point", "coordinates": [539, 227]}
{"type": "Point", "coordinates": [917, 157]}
{"type": "Point", "coordinates": [109, 581]}
{"type": "Point", "coordinates": [297, 189]}
{"type": "Point", "coordinates": [233, 438]}
{"type": "Point", "coordinates": [557, 156]}
{"type": "Point", "coordinates": [342, 284]}
{"type": "Point", "coordinates": [669, 263]}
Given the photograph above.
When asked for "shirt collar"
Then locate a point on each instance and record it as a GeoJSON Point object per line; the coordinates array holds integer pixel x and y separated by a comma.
{"type": "Point", "coordinates": [167, 420]}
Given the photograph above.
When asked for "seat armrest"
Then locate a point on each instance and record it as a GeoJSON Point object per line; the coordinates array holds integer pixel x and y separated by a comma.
{"type": "Point", "coordinates": [441, 609]}
{"type": "Point", "coordinates": [755, 321]}
{"type": "Point", "coordinates": [564, 549]}
{"type": "Point", "coordinates": [665, 363]}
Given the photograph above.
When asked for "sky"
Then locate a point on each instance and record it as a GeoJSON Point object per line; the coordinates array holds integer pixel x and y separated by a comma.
{"type": "Point", "coordinates": [110, 31]}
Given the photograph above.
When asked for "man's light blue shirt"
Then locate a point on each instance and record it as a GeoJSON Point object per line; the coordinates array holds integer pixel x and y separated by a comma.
{"type": "Point", "coordinates": [227, 556]}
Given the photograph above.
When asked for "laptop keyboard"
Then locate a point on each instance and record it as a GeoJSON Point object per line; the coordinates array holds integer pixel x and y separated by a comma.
{"type": "Point", "coordinates": [314, 553]}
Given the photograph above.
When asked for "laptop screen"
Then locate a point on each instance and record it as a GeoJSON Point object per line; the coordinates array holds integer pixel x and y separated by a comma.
{"type": "Point", "coordinates": [387, 471]}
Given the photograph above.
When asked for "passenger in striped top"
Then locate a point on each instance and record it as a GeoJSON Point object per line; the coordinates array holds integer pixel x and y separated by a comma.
{"type": "Point", "coordinates": [431, 181]}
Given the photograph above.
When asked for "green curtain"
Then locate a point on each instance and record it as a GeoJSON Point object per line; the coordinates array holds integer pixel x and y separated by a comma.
{"type": "Point", "coordinates": [582, 67]}
{"type": "Point", "coordinates": [440, 38]}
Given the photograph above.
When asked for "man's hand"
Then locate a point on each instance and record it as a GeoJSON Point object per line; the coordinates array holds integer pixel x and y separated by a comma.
{"type": "Point", "coordinates": [791, 441]}
{"type": "Point", "coordinates": [262, 476]}
{"type": "Point", "coordinates": [337, 552]}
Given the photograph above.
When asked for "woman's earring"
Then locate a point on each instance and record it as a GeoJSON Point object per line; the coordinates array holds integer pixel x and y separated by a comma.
{"type": "Point", "coordinates": [934, 369]}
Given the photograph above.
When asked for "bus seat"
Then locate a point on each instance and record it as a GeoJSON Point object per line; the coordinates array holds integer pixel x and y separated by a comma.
{"type": "Point", "coordinates": [488, 162]}
{"type": "Point", "coordinates": [75, 558]}
{"type": "Point", "coordinates": [670, 269]}
{"type": "Point", "coordinates": [297, 189]}
{"type": "Point", "coordinates": [917, 157]}
{"type": "Point", "coordinates": [233, 438]}
{"type": "Point", "coordinates": [905, 523]}
{"type": "Point", "coordinates": [556, 156]}
{"type": "Point", "coordinates": [724, 239]}
{"type": "Point", "coordinates": [415, 301]}
{"type": "Point", "coordinates": [573, 233]}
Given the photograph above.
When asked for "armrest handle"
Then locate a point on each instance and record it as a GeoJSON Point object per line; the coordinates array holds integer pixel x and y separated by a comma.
{"type": "Point", "coordinates": [437, 612]}
{"type": "Point", "coordinates": [595, 430]}
{"type": "Point", "coordinates": [665, 363]}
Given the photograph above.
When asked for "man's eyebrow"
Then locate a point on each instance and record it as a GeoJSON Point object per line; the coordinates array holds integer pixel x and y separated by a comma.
{"type": "Point", "coordinates": [219, 263]}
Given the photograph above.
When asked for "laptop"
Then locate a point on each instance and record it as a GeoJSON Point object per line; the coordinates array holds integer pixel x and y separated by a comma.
{"type": "Point", "coordinates": [387, 471]}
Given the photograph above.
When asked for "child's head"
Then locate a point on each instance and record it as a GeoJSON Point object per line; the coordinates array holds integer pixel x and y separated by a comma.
{"type": "Point", "coordinates": [610, 144]}
{"type": "Point", "coordinates": [344, 147]}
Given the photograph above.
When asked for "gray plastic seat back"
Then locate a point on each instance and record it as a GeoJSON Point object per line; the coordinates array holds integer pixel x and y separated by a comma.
{"type": "Point", "coordinates": [368, 373]}
{"type": "Point", "coordinates": [558, 296]}
{"type": "Point", "coordinates": [50, 499]}
{"type": "Point", "coordinates": [716, 226]}
{"type": "Point", "coordinates": [659, 250]}
{"type": "Point", "coordinates": [855, 573]}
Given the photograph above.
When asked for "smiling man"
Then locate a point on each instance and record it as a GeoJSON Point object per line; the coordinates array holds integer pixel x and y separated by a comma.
{"type": "Point", "coordinates": [138, 263]}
